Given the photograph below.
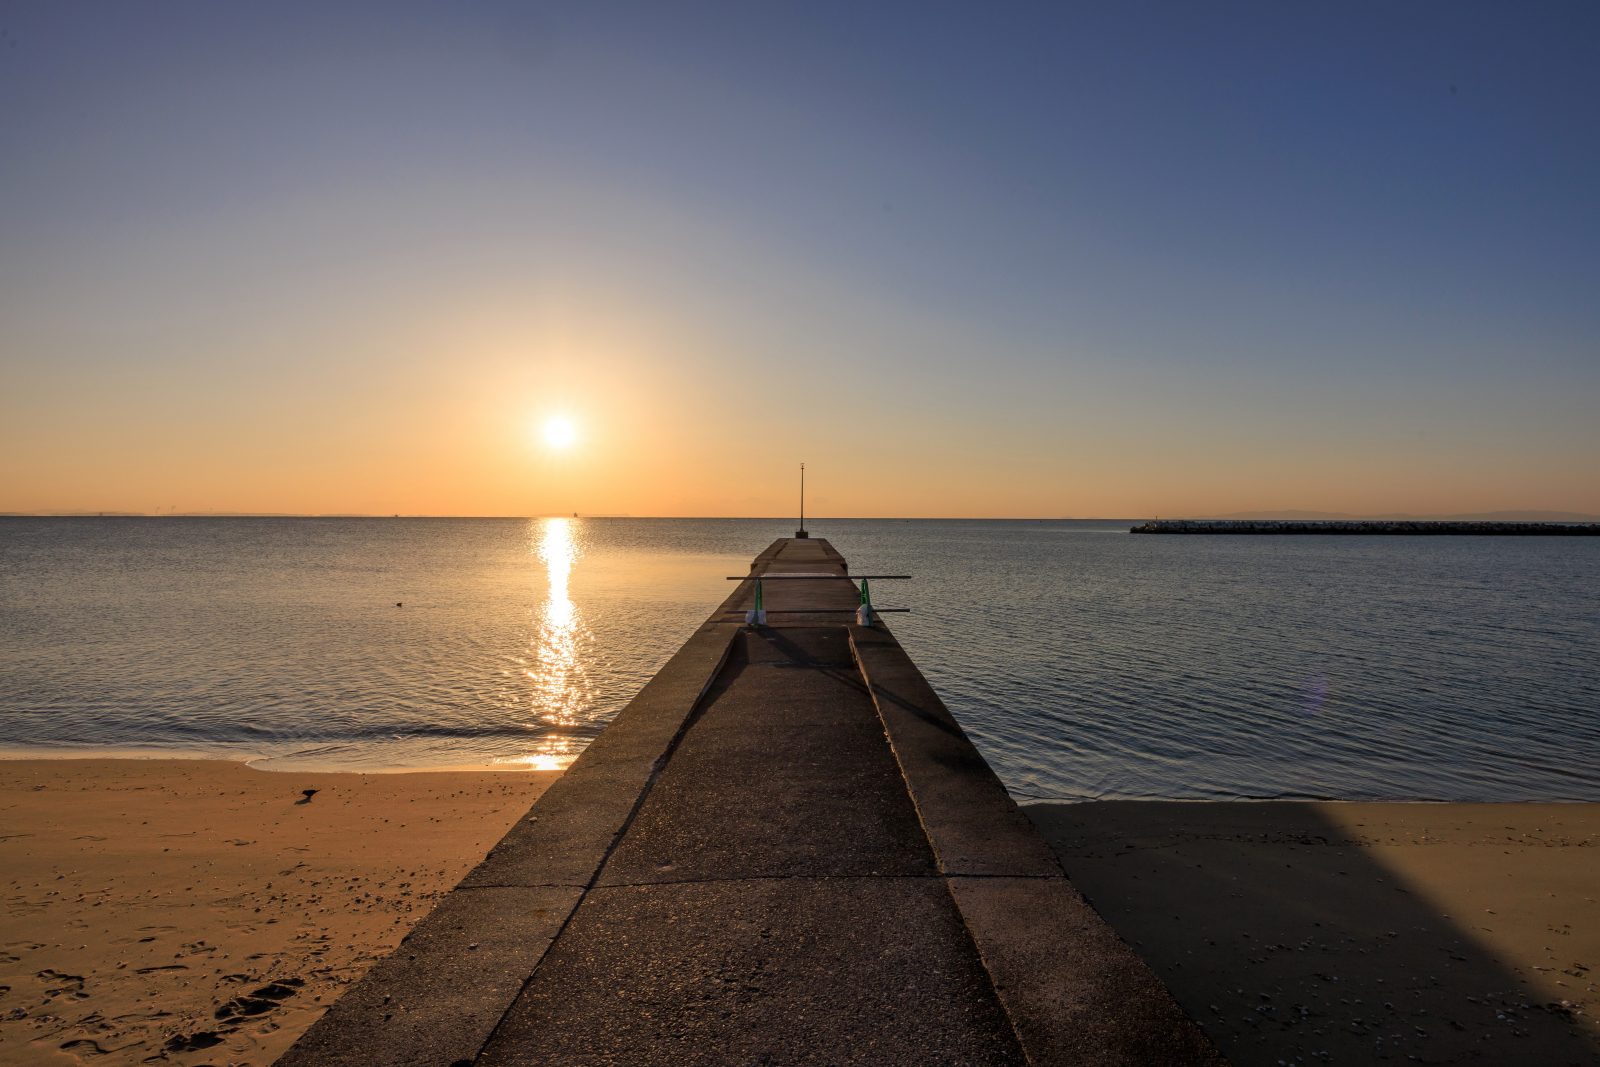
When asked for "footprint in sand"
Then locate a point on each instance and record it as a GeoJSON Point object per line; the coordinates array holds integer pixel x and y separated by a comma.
{"type": "Point", "coordinates": [200, 1039]}
{"type": "Point", "coordinates": [84, 1044]}
{"type": "Point", "coordinates": [59, 982]}
{"type": "Point", "coordinates": [88, 1046]}
{"type": "Point", "coordinates": [260, 1001]}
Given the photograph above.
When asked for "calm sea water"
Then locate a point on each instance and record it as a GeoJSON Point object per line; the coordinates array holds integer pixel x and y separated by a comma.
{"type": "Point", "coordinates": [1084, 661]}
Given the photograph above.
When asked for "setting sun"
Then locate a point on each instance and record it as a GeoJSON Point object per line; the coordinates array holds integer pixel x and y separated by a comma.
{"type": "Point", "coordinates": [560, 432]}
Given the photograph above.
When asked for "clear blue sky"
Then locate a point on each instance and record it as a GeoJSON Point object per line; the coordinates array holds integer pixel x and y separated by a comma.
{"type": "Point", "coordinates": [1112, 259]}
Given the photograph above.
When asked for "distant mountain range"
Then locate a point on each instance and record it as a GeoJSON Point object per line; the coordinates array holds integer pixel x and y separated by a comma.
{"type": "Point", "coordinates": [1482, 516]}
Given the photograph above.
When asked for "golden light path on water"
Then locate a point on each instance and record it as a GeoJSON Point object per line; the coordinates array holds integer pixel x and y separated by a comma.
{"type": "Point", "coordinates": [558, 684]}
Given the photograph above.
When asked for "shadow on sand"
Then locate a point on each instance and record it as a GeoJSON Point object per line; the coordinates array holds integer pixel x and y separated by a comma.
{"type": "Point", "coordinates": [1284, 930]}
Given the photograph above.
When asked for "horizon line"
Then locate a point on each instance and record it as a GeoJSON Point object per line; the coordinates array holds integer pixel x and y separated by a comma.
{"type": "Point", "coordinates": [1285, 514]}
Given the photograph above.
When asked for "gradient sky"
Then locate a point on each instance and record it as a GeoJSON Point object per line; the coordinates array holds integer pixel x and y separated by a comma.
{"type": "Point", "coordinates": [1111, 259]}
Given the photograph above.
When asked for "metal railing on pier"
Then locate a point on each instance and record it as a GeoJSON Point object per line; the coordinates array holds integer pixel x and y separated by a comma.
{"type": "Point", "coordinates": [865, 611]}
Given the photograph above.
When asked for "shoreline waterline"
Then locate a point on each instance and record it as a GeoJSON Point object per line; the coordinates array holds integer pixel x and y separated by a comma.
{"type": "Point", "coordinates": [266, 763]}
{"type": "Point", "coordinates": [284, 766]}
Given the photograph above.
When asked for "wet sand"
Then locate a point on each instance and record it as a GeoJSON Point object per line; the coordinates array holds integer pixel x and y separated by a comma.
{"type": "Point", "coordinates": [1348, 933]}
{"type": "Point", "coordinates": [203, 912]}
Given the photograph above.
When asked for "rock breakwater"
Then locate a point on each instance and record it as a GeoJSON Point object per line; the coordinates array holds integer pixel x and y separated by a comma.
{"type": "Point", "coordinates": [1367, 526]}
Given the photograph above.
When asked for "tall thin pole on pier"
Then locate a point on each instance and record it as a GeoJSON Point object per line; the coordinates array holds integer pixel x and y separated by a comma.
{"type": "Point", "coordinates": [802, 531]}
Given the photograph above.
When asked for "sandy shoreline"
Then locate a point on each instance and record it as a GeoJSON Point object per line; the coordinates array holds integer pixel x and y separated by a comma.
{"type": "Point", "coordinates": [1345, 933]}
{"type": "Point", "coordinates": [197, 912]}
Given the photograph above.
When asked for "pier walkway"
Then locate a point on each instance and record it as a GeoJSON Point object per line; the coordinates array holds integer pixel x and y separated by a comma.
{"type": "Point", "coordinates": [784, 850]}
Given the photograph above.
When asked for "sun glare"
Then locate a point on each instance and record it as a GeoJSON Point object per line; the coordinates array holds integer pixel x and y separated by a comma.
{"type": "Point", "coordinates": [560, 432]}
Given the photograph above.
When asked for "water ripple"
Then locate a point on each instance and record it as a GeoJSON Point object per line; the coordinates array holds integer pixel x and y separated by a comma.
{"type": "Point", "coordinates": [1084, 662]}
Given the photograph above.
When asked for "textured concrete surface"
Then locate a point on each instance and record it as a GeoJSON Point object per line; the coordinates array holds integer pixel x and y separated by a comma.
{"type": "Point", "coordinates": [439, 995]}
{"type": "Point", "coordinates": [778, 777]}
{"type": "Point", "coordinates": [1074, 991]}
{"type": "Point", "coordinates": [774, 900]}
{"type": "Point", "coordinates": [784, 850]}
{"type": "Point", "coordinates": [773, 971]}
{"type": "Point", "coordinates": [974, 826]}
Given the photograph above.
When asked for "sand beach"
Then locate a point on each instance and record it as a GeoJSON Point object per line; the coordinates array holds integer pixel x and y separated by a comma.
{"type": "Point", "coordinates": [1350, 933]}
{"type": "Point", "coordinates": [195, 911]}
{"type": "Point", "coordinates": [190, 911]}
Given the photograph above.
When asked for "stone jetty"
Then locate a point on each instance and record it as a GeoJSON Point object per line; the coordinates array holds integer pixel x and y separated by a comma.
{"type": "Point", "coordinates": [1368, 526]}
{"type": "Point", "coordinates": [784, 850]}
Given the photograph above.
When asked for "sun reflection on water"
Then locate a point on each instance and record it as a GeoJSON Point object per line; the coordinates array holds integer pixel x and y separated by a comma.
{"type": "Point", "coordinates": [559, 691]}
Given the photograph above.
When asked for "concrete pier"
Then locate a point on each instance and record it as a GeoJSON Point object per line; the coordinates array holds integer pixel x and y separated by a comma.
{"type": "Point", "coordinates": [784, 850]}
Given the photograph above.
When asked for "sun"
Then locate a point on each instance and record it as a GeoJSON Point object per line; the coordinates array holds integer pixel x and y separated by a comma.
{"type": "Point", "coordinates": [560, 432]}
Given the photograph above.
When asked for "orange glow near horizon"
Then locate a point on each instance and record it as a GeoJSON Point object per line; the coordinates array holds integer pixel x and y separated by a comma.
{"type": "Point", "coordinates": [456, 435]}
